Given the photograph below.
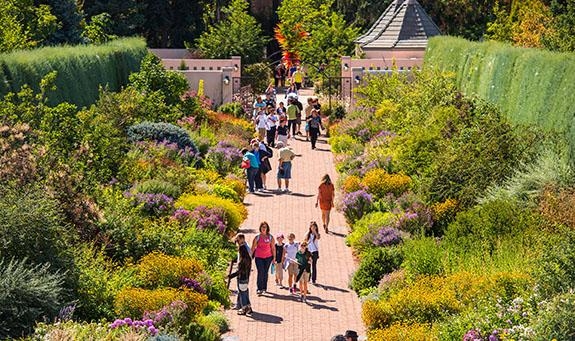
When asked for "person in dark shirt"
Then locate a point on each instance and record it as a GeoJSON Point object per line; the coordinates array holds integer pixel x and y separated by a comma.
{"type": "Point", "coordinates": [243, 275]}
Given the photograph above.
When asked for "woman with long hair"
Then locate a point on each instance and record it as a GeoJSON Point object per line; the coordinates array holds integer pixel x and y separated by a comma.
{"type": "Point", "coordinates": [325, 200]}
{"type": "Point", "coordinates": [311, 238]}
{"type": "Point", "coordinates": [263, 249]}
{"type": "Point", "coordinates": [243, 275]}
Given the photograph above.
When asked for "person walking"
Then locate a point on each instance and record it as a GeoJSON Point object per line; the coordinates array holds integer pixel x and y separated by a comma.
{"type": "Point", "coordinates": [325, 200]}
{"type": "Point", "coordinates": [280, 75]}
{"type": "Point", "coordinates": [286, 155]}
{"type": "Point", "coordinates": [291, 249]}
{"type": "Point", "coordinates": [311, 238]}
{"type": "Point", "coordinates": [292, 114]}
{"type": "Point", "coordinates": [259, 186]}
{"type": "Point", "coordinates": [279, 260]}
{"type": "Point", "coordinates": [297, 77]}
{"type": "Point", "coordinates": [271, 126]}
{"type": "Point", "coordinates": [303, 259]}
{"type": "Point", "coordinates": [261, 122]}
{"type": "Point", "coordinates": [253, 169]}
{"type": "Point", "coordinates": [263, 249]}
{"type": "Point", "coordinates": [243, 276]}
{"type": "Point", "coordinates": [282, 133]}
{"type": "Point", "coordinates": [315, 124]}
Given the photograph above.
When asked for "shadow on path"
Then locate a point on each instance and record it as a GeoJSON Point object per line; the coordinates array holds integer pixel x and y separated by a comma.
{"type": "Point", "coordinates": [267, 318]}
{"type": "Point", "coordinates": [337, 234]}
{"type": "Point", "coordinates": [329, 287]}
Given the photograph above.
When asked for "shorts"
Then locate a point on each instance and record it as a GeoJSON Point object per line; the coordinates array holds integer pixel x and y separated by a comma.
{"type": "Point", "coordinates": [304, 277]}
{"type": "Point", "coordinates": [292, 269]}
{"type": "Point", "coordinates": [285, 172]}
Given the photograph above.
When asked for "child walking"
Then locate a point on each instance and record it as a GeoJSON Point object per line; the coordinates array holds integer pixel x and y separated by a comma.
{"type": "Point", "coordinates": [243, 275]}
{"type": "Point", "coordinates": [303, 257]}
{"type": "Point", "coordinates": [279, 260]}
{"type": "Point", "coordinates": [291, 249]}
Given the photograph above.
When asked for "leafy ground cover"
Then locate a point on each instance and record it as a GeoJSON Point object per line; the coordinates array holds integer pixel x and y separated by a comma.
{"type": "Point", "coordinates": [461, 221]}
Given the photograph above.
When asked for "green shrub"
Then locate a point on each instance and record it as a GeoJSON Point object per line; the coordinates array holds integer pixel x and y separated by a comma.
{"type": "Point", "coordinates": [197, 331]}
{"type": "Point", "coordinates": [81, 70]}
{"type": "Point", "coordinates": [99, 281]}
{"type": "Point", "coordinates": [504, 75]}
{"type": "Point", "coordinates": [235, 212]}
{"type": "Point", "coordinates": [555, 271]}
{"type": "Point", "coordinates": [216, 320]}
{"type": "Point", "coordinates": [232, 108]}
{"type": "Point", "coordinates": [28, 294]}
{"type": "Point", "coordinates": [154, 186]}
{"type": "Point", "coordinates": [153, 77]}
{"type": "Point", "coordinates": [422, 257]}
{"type": "Point", "coordinates": [557, 318]}
{"type": "Point", "coordinates": [345, 144]}
{"type": "Point", "coordinates": [375, 263]}
{"type": "Point", "coordinates": [161, 132]}
{"type": "Point", "coordinates": [226, 192]}
{"type": "Point", "coordinates": [32, 227]}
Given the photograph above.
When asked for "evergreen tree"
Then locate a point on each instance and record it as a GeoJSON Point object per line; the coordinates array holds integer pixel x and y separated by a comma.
{"type": "Point", "coordinates": [69, 18]}
{"type": "Point", "coordinates": [126, 16]}
{"type": "Point", "coordinates": [237, 34]}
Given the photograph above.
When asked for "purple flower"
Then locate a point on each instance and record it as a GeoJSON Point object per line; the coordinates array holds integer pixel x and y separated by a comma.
{"type": "Point", "coordinates": [154, 204]}
{"type": "Point", "coordinates": [472, 335]}
{"type": "Point", "coordinates": [387, 236]}
{"type": "Point", "coordinates": [193, 284]}
{"type": "Point", "coordinates": [356, 204]}
{"type": "Point", "coordinates": [209, 218]}
{"type": "Point", "coordinates": [165, 315]}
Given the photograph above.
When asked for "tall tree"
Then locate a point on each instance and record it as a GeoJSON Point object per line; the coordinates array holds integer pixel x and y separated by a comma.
{"type": "Point", "coordinates": [69, 18]}
{"type": "Point", "coordinates": [237, 34]}
{"type": "Point", "coordinates": [23, 25]}
{"type": "Point", "coordinates": [171, 23]}
{"type": "Point", "coordinates": [563, 23]}
{"type": "Point", "coordinates": [127, 16]}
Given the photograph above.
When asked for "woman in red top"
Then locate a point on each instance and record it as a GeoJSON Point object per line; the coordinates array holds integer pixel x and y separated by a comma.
{"type": "Point", "coordinates": [325, 198]}
{"type": "Point", "coordinates": [263, 248]}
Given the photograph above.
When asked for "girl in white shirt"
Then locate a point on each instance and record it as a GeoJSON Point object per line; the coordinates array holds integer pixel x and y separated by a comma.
{"type": "Point", "coordinates": [290, 264]}
{"type": "Point", "coordinates": [312, 238]}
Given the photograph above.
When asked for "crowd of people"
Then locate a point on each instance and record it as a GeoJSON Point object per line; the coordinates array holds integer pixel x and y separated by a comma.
{"type": "Point", "coordinates": [276, 125]}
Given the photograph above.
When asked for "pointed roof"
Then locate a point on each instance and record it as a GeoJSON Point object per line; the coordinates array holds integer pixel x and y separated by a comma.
{"type": "Point", "coordinates": [404, 24]}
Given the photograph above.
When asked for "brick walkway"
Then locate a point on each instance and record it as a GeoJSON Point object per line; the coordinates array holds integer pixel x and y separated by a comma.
{"type": "Point", "coordinates": [332, 307]}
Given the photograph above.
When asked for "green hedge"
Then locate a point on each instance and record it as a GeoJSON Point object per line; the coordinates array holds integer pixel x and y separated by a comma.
{"type": "Point", "coordinates": [531, 86]}
{"type": "Point", "coordinates": [81, 69]}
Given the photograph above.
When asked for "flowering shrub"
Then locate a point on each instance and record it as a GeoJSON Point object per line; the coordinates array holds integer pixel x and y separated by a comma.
{"type": "Point", "coordinates": [237, 184]}
{"type": "Point", "coordinates": [209, 218]}
{"type": "Point", "coordinates": [144, 324]}
{"type": "Point", "coordinates": [234, 213]}
{"type": "Point", "coordinates": [181, 215]}
{"type": "Point", "coordinates": [430, 299]}
{"type": "Point", "coordinates": [158, 270]}
{"type": "Point", "coordinates": [351, 183]}
{"type": "Point", "coordinates": [423, 257]}
{"type": "Point", "coordinates": [387, 236]}
{"type": "Point", "coordinates": [366, 229]}
{"type": "Point", "coordinates": [556, 319]}
{"type": "Point", "coordinates": [355, 205]}
{"type": "Point", "coordinates": [416, 220]}
{"type": "Point", "coordinates": [170, 317]}
{"type": "Point", "coordinates": [224, 158]}
{"type": "Point", "coordinates": [153, 204]}
{"type": "Point", "coordinates": [70, 330]}
{"type": "Point", "coordinates": [379, 183]}
{"type": "Point", "coordinates": [161, 132]}
{"type": "Point", "coordinates": [135, 301]}
{"type": "Point", "coordinates": [404, 332]}
{"type": "Point", "coordinates": [443, 213]}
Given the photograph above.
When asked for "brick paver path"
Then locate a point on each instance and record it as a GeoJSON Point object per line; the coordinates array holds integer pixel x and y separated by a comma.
{"type": "Point", "coordinates": [332, 307]}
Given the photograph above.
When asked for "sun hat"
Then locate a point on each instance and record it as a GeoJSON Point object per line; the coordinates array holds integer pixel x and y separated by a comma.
{"type": "Point", "coordinates": [351, 333]}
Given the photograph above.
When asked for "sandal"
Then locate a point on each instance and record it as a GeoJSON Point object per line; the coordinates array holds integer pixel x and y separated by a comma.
{"type": "Point", "coordinates": [242, 312]}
